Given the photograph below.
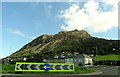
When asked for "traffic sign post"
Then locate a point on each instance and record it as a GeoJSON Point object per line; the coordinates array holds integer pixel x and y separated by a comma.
{"type": "Point", "coordinates": [41, 67]}
{"type": "Point", "coordinates": [46, 67]}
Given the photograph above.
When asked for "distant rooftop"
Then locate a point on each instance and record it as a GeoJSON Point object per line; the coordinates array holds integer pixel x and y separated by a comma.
{"type": "Point", "coordinates": [70, 56]}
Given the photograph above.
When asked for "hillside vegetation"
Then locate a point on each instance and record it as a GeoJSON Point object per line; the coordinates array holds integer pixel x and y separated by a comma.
{"type": "Point", "coordinates": [64, 43]}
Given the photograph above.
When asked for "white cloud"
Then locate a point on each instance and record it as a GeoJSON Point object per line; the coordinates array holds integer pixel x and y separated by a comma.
{"type": "Point", "coordinates": [89, 17]}
{"type": "Point", "coordinates": [111, 2]}
{"type": "Point", "coordinates": [19, 33]}
{"type": "Point", "coordinates": [48, 8]}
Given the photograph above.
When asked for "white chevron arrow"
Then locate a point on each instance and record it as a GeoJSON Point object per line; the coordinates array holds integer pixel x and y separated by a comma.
{"type": "Point", "coordinates": [29, 67]}
{"type": "Point", "coordinates": [37, 67]}
{"type": "Point", "coordinates": [53, 67]}
{"type": "Point", "coordinates": [19, 68]}
{"type": "Point", "coordinates": [45, 67]}
{"type": "Point", "coordinates": [69, 67]}
{"type": "Point", "coordinates": [61, 67]}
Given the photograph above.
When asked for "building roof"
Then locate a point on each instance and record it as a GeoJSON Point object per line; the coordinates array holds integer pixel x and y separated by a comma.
{"type": "Point", "coordinates": [86, 56]}
{"type": "Point", "coordinates": [72, 56]}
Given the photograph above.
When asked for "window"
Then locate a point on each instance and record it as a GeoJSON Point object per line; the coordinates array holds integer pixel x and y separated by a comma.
{"type": "Point", "coordinates": [75, 60]}
{"type": "Point", "coordinates": [79, 60]}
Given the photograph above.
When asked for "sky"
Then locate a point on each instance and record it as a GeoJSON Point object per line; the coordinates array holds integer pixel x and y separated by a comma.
{"type": "Point", "coordinates": [24, 21]}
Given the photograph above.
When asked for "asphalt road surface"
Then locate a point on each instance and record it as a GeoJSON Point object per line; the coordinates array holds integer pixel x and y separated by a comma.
{"type": "Point", "coordinates": [65, 75]}
{"type": "Point", "coordinates": [109, 70]}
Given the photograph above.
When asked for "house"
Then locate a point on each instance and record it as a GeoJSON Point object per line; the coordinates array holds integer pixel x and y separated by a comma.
{"type": "Point", "coordinates": [54, 60]}
{"type": "Point", "coordinates": [78, 60]}
{"type": "Point", "coordinates": [83, 60]}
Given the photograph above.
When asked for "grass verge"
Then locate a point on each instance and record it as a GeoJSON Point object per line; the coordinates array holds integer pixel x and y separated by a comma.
{"type": "Point", "coordinates": [78, 70]}
{"type": "Point", "coordinates": [8, 68]}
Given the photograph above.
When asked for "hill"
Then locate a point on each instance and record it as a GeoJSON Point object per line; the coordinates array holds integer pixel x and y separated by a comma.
{"type": "Point", "coordinates": [65, 43]}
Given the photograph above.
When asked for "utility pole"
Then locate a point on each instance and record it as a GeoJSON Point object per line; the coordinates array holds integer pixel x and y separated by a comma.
{"type": "Point", "coordinates": [96, 49]}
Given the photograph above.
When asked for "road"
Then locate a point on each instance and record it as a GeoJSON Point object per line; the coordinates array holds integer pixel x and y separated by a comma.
{"type": "Point", "coordinates": [109, 70]}
{"type": "Point", "coordinates": [63, 75]}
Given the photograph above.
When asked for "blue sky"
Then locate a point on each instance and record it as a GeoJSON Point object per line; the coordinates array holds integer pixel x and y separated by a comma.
{"type": "Point", "coordinates": [24, 21]}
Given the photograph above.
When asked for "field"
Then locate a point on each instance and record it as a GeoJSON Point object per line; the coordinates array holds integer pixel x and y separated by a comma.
{"type": "Point", "coordinates": [107, 57]}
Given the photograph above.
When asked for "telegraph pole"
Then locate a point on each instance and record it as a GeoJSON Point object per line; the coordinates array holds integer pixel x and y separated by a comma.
{"type": "Point", "coordinates": [96, 52]}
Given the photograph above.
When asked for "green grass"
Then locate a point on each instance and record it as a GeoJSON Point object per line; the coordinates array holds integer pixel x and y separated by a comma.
{"type": "Point", "coordinates": [78, 70]}
{"type": "Point", "coordinates": [8, 68]}
{"type": "Point", "coordinates": [0, 67]}
{"type": "Point", "coordinates": [82, 70]}
{"type": "Point", "coordinates": [107, 57]}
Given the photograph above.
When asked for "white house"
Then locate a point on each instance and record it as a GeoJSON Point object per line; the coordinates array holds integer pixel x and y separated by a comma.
{"type": "Point", "coordinates": [78, 60]}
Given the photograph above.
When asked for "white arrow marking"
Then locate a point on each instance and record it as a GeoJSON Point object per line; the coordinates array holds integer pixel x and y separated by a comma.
{"type": "Point", "coordinates": [69, 67]}
{"type": "Point", "coordinates": [53, 67]}
{"type": "Point", "coordinates": [19, 67]}
{"type": "Point", "coordinates": [29, 67]}
{"type": "Point", "coordinates": [37, 67]}
{"type": "Point", "coordinates": [61, 67]}
{"type": "Point", "coordinates": [46, 67]}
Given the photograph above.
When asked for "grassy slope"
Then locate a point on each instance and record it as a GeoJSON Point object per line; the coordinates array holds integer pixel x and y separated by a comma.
{"type": "Point", "coordinates": [107, 57]}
